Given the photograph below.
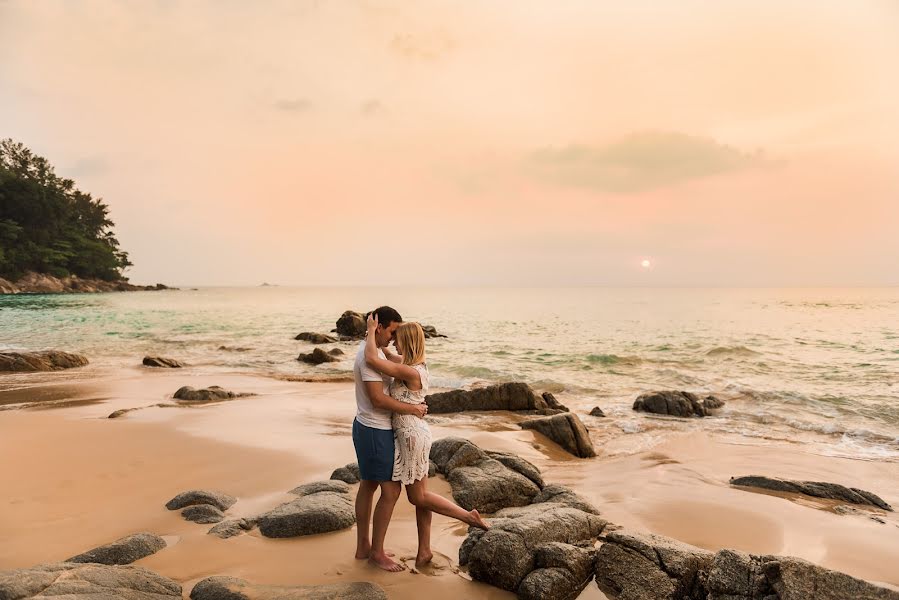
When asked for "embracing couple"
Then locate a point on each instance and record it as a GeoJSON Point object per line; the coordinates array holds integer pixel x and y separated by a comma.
{"type": "Point", "coordinates": [392, 439]}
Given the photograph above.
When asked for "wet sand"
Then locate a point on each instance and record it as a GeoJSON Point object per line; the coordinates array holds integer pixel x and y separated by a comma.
{"type": "Point", "coordinates": [73, 479]}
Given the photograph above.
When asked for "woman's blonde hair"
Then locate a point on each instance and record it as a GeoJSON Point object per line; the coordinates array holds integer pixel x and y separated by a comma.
{"type": "Point", "coordinates": [410, 342]}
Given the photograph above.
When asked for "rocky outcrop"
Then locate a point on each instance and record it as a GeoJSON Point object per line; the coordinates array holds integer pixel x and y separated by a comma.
{"type": "Point", "coordinates": [559, 494]}
{"type": "Point", "coordinates": [319, 509]}
{"type": "Point", "coordinates": [123, 551]}
{"type": "Point", "coordinates": [552, 403]}
{"type": "Point", "coordinates": [817, 489]}
{"type": "Point", "coordinates": [87, 581]}
{"type": "Point", "coordinates": [231, 528]}
{"type": "Point", "coordinates": [193, 497]}
{"type": "Point", "coordinates": [431, 332]}
{"type": "Point", "coordinates": [534, 550]}
{"type": "Point", "coordinates": [650, 567]}
{"type": "Point", "coordinates": [518, 464]}
{"type": "Point", "coordinates": [478, 480]}
{"type": "Point", "coordinates": [162, 362]}
{"type": "Point", "coordinates": [348, 474]}
{"type": "Point", "coordinates": [46, 360]}
{"type": "Point", "coordinates": [351, 325]}
{"type": "Point", "coordinates": [506, 396]}
{"type": "Point", "coordinates": [676, 404]}
{"type": "Point", "coordinates": [567, 430]}
{"type": "Point", "coordinates": [41, 283]}
{"type": "Point", "coordinates": [212, 393]}
{"type": "Point", "coordinates": [597, 412]}
{"type": "Point", "coordinates": [203, 513]}
{"type": "Point", "coordinates": [316, 338]}
{"type": "Point", "coordinates": [316, 357]}
{"type": "Point", "coordinates": [231, 588]}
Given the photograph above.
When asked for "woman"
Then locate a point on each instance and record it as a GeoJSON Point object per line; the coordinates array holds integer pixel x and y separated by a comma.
{"type": "Point", "coordinates": [412, 434]}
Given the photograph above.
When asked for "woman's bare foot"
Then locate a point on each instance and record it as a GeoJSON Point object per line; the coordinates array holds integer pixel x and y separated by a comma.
{"type": "Point", "coordinates": [363, 553]}
{"type": "Point", "coordinates": [477, 521]}
{"type": "Point", "coordinates": [385, 562]}
{"type": "Point", "coordinates": [423, 558]}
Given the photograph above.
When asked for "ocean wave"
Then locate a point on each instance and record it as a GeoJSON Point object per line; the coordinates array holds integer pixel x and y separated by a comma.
{"type": "Point", "coordinates": [614, 359]}
{"type": "Point", "coordinates": [732, 351]}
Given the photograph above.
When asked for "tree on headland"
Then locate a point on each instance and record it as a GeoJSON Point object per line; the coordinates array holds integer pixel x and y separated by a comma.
{"type": "Point", "coordinates": [47, 225]}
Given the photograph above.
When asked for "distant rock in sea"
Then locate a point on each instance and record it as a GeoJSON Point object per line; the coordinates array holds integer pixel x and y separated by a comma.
{"type": "Point", "coordinates": [47, 360]}
{"type": "Point", "coordinates": [351, 326]}
{"type": "Point", "coordinates": [162, 362]}
{"type": "Point", "coordinates": [676, 404]}
{"type": "Point", "coordinates": [316, 357]}
{"type": "Point", "coordinates": [515, 396]}
{"type": "Point", "coordinates": [316, 338]}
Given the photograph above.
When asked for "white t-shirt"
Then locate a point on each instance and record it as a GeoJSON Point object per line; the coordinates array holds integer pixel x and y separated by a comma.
{"type": "Point", "coordinates": [367, 414]}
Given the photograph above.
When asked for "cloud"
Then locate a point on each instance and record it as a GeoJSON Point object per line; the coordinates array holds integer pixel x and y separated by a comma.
{"type": "Point", "coordinates": [294, 105]}
{"type": "Point", "coordinates": [427, 48]}
{"type": "Point", "coordinates": [638, 162]}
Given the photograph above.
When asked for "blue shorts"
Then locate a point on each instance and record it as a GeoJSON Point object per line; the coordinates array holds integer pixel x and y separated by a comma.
{"type": "Point", "coordinates": [374, 452]}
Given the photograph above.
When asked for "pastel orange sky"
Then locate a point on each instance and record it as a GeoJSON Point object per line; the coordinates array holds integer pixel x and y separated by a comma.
{"type": "Point", "coordinates": [478, 143]}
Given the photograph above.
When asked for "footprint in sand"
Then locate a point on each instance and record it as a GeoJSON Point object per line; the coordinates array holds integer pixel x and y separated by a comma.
{"type": "Point", "coordinates": [439, 565]}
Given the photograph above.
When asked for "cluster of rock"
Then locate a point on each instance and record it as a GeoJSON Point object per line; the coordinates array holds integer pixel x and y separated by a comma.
{"type": "Point", "coordinates": [202, 506]}
{"type": "Point", "coordinates": [41, 283]}
{"type": "Point", "coordinates": [816, 489]}
{"type": "Point", "coordinates": [648, 567]}
{"type": "Point", "coordinates": [46, 360]}
{"type": "Point", "coordinates": [319, 356]}
{"type": "Point", "coordinates": [162, 362]}
{"type": "Point", "coordinates": [513, 396]}
{"type": "Point", "coordinates": [232, 588]}
{"type": "Point", "coordinates": [677, 404]}
{"type": "Point", "coordinates": [351, 326]}
{"type": "Point", "coordinates": [210, 394]}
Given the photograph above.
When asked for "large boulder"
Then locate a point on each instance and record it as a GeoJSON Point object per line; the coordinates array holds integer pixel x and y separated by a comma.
{"type": "Point", "coordinates": [351, 325]}
{"type": "Point", "coordinates": [676, 404]}
{"type": "Point", "coordinates": [316, 338]}
{"type": "Point", "coordinates": [505, 396]}
{"type": "Point", "coordinates": [87, 581]}
{"type": "Point", "coordinates": [478, 480]}
{"type": "Point", "coordinates": [348, 473]}
{"type": "Point", "coordinates": [123, 551]}
{"type": "Point", "coordinates": [642, 566]}
{"type": "Point", "coordinates": [316, 357]}
{"type": "Point", "coordinates": [552, 403]}
{"type": "Point", "coordinates": [516, 463]}
{"type": "Point", "coordinates": [535, 538]}
{"type": "Point", "coordinates": [213, 392]}
{"type": "Point", "coordinates": [431, 332]}
{"type": "Point", "coordinates": [203, 513]}
{"type": "Point", "coordinates": [315, 511]}
{"type": "Point", "coordinates": [46, 360]}
{"type": "Point", "coordinates": [231, 527]}
{"type": "Point", "coordinates": [221, 587]}
{"type": "Point", "coordinates": [817, 489]}
{"type": "Point", "coordinates": [561, 495]}
{"type": "Point", "coordinates": [162, 362]}
{"type": "Point", "coordinates": [192, 497]}
{"type": "Point", "coordinates": [567, 430]}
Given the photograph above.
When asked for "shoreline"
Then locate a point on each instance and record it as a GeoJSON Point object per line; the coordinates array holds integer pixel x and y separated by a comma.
{"type": "Point", "coordinates": [70, 496]}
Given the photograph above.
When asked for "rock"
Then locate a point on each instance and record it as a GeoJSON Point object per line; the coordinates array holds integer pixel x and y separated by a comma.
{"type": "Point", "coordinates": [316, 357]}
{"type": "Point", "coordinates": [202, 513]}
{"type": "Point", "coordinates": [563, 496]}
{"type": "Point", "coordinates": [213, 392]}
{"type": "Point", "coordinates": [123, 411]}
{"type": "Point", "coordinates": [676, 404]}
{"type": "Point", "coordinates": [506, 396]}
{"type": "Point", "coordinates": [192, 497]}
{"type": "Point", "coordinates": [597, 412]}
{"type": "Point", "coordinates": [123, 551]}
{"type": "Point", "coordinates": [505, 555]}
{"type": "Point", "coordinates": [315, 487]}
{"type": "Point", "coordinates": [42, 283]}
{"type": "Point", "coordinates": [351, 324]}
{"type": "Point", "coordinates": [432, 468]}
{"type": "Point", "coordinates": [87, 581]}
{"type": "Point", "coordinates": [562, 572]}
{"type": "Point", "coordinates": [315, 512]}
{"type": "Point", "coordinates": [336, 352]}
{"type": "Point", "coordinates": [817, 489]}
{"type": "Point", "coordinates": [567, 430]}
{"type": "Point", "coordinates": [348, 474]}
{"type": "Point", "coordinates": [47, 360]}
{"type": "Point", "coordinates": [220, 587]}
{"type": "Point", "coordinates": [649, 567]}
{"type": "Point", "coordinates": [551, 402]}
{"type": "Point", "coordinates": [479, 481]}
{"type": "Point", "coordinates": [316, 338]}
{"type": "Point", "coordinates": [431, 332]}
{"type": "Point", "coordinates": [159, 361]}
{"type": "Point", "coordinates": [518, 464]}
{"type": "Point", "coordinates": [231, 528]}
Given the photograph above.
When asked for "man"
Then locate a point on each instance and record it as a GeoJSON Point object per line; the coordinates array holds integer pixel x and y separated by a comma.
{"type": "Point", "coordinates": [374, 442]}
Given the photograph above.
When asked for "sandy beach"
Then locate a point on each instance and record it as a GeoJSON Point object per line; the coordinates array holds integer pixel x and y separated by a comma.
{"type": "Point", "coordinates": [102, 479]}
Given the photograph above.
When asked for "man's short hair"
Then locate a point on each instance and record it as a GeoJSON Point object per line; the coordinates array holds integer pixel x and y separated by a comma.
{"type": "Point", "coordinates": [387, 315]}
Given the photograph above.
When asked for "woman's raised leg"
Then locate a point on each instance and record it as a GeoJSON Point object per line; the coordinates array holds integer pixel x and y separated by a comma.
{"type": "Point", "coordinates": [419, 495]}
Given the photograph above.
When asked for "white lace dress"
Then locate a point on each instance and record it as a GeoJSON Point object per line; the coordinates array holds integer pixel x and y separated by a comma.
{"type": "Point", "coordinates": [413, 436]}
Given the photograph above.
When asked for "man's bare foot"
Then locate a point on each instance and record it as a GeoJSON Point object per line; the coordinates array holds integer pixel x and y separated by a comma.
{"type": "Point", "coordinates": [477, 520]}
{"type": "Point", "coordinates": [423, 558]}
{"type": "Point", "coordinates": [385, 562]}
{"type": "Point", "coordinates": [363, 552]}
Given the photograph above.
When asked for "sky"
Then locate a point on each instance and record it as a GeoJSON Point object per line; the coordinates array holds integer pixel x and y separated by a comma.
{"type": "Point", "coordinates": [740, 143]}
